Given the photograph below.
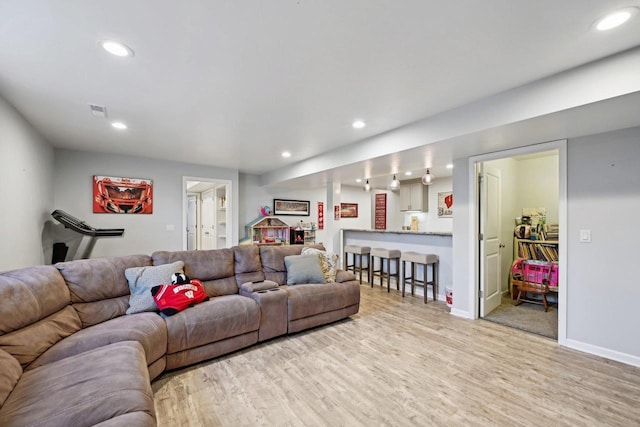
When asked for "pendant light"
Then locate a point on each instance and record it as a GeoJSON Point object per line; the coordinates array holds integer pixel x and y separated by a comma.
{"type": "Point", "coordinates": [427, 178]}
{"type": "Point", "coordinates": [367, 187]}
{"type": "Point", "coordinates": [395, 182]}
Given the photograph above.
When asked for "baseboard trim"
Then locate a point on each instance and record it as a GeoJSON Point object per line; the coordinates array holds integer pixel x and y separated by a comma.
{"type": "Point", "coordinates": [461, 313]}
{"type": "Point", "coordinates": [625, 358]}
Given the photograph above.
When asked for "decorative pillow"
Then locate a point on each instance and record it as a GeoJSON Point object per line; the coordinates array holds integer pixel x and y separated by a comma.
{"type": "Point", "coordinates": [328, 262]}
{"type": "Point", "coordinates": [174, 298]}
{"type": "Point", "coordinates": [142, 279]}
{"type": "Point", "coordinates": [303, 269]}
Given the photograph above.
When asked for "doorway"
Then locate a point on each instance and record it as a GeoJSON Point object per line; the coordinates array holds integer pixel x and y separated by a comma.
{"type": "Point", "coordinates": [207, 219]}
{"type": "Point", "coordinates": [513, 185]}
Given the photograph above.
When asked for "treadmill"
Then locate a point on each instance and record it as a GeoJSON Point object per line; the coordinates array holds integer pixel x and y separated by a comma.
{"type": "Point", "coordinates": [64, 241]}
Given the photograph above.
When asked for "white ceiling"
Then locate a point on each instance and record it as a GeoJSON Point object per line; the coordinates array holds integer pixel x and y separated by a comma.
{"type": "Point", "coordinates": [234, 83]}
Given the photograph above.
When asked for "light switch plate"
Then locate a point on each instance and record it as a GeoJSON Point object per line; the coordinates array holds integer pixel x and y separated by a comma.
{"type": "Point", "coordinates": [170, 227]}
{"type": "Point", "coordinates": [585, 236]}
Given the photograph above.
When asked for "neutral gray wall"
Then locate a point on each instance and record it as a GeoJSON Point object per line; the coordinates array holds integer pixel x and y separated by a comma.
{"type": "Point", "coordinates": [26, 190]}
{"type": "Point", "coordinates": [604, 196]}
{"type": "Point", "coordinates": [74, 171]}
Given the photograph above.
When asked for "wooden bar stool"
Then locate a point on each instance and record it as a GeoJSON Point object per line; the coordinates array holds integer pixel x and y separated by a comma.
{"type": "Point", "coordinates": [359, 252]}
{"type": "Point", "coordinates": [415, 259]}
{"type": "Point", "coordinates": [388, 255]}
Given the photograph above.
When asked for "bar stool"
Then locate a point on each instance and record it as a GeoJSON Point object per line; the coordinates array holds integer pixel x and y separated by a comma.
{"type": "Point", "coordinates": [415, 259]}
{"type": "Point", "coordinates": [388, 255]}
{"type": "Point", "coordinates": [357, 251]}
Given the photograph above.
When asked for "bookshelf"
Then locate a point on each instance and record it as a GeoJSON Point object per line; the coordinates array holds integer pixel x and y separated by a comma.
{"type": "Point", "coordinates": [539, 250]}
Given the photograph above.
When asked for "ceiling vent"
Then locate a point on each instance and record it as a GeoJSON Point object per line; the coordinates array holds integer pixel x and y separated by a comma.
{"type": "Point", "coordinates": [98, 110]}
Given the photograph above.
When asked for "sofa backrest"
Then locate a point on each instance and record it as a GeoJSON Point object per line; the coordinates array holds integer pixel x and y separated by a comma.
{"type": "Point", "coordinates": [272, 258]}
{"type": "Point", "coordinates": [214, 268]}
{"type": "Point", "coordinates": [248, 267]}
{"type": "Point", "coordinates": [98, 286]}
{"type": "Point", "coordinates": [35, 312]}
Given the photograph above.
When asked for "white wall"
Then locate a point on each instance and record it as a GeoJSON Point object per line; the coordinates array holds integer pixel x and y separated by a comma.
{"type": "Point", "coordinates": [604, 197]}
{"type": "Point", "coordinates": [26, 190]}
{"type": "Point", "coordinates": [73, 176]}
{"type": "Point", "coordinates": [538, 184]}
{"type": "Point", "coordinates": [429, 221]}
{"type": "Point", "coordinates": [253, 196]}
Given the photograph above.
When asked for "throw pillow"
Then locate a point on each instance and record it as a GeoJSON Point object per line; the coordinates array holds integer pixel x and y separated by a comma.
{"type": "Point", "coordinates": [174, 298]}
{"type": "Point", "coordinates": [142, 279]}
{"type": "Point", "coordinates": [328, 262]}
{"type": "Point", "coordinates": [303, 269]}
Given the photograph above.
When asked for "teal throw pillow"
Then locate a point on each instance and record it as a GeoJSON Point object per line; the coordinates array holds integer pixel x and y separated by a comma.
{"type": "Point", "coordinates": [303, 269]}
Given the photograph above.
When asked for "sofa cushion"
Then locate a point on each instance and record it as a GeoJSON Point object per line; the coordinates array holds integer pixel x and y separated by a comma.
{"type": "Point", "coordinates": [214, 268]}
{"type": "Point", "coordinates": [149, 329]}
{"type": "Point", "coordinates": [303, 269]}
{"type": "Point", "coordinates": [99, 288]}
{"type": "Point", "coordinates": [142, 279]}
{"type": "Point", "coordinates": [28, 343]}
{"type": "Point", "coordinates": [247, 264]}
{"type": "Point", "coordinates": [310, 300]}
{"type": "Point", "coordinates": [328, 262]}
{"type": "Point", "coordinates": [29, 295]}
{"type": "Point", "coordinates": [219, 318]}
{"type": "Point", "coordinates": [9, 375]}
{"type": "Point", "coordinates": [82, 390]}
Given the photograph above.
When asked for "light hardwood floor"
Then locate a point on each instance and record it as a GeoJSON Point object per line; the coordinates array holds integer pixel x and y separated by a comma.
{"type": "Point", "coordinates": [399, 362]}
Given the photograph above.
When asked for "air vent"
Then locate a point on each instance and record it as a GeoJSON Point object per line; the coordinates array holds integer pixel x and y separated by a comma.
{"type": "Point", "coordinates": [98, 110]}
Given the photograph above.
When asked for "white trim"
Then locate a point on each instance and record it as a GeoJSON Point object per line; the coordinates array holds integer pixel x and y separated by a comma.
{"type": "Point", "coordinates": [561, 146]}
{"type": "Point", "coordinates": [628, 359]}
{"type": "Point", "coordinates": [461, 313]}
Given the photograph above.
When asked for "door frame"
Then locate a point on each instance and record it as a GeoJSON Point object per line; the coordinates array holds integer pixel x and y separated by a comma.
{"type": "Point", "coordinates": [474, 225]}
{"type": "Point", "coordinates": [230, 219]}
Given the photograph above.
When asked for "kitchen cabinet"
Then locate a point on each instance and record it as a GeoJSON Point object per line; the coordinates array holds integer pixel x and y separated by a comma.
{"type": "Point", "coordinates": [414, 196]}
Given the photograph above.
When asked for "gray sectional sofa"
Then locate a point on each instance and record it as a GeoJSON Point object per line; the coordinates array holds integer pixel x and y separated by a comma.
{"type": "Point", "coordinates": [70, 356]}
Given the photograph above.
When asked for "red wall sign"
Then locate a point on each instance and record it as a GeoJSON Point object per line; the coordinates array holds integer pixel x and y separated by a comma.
{"type": "Point", "coordinates": [381, 212]}
{"type": "Point", "coordinates": [320, 215]}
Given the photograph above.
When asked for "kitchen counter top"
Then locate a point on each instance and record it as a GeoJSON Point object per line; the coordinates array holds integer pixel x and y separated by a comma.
{"type": "Point", "coordinates": [424, 233]}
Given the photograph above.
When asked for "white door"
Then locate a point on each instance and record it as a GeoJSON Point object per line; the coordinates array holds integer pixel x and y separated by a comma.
{"type": "Point", "coordinates": [192, 207]}
{"type": "Point", "coordinates": [490, 284]}
{"type": "Point", "coordinates": [208, 221]}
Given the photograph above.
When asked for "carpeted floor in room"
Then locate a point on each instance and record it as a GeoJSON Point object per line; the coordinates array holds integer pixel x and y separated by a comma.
{"type": "Point", "coordinates": [527, 317]}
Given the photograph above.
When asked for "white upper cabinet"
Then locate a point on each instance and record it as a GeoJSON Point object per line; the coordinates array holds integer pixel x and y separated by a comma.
{"type": "Point", "coordinates": [414, 196]}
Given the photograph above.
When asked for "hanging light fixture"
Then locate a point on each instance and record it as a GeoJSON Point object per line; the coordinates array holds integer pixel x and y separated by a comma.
{"type": "Point", "coordinates": [427, 178]}
{"type": "Point", "coordinates": [395, 182]}
{"type": "Point", "coordinates": [367, 187]}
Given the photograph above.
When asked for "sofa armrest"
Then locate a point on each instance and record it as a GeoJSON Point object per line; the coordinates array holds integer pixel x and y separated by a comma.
{"type": "Point", "coordinates": [344, 276]}
{"type": "Point", "coordinates": [250, 287]}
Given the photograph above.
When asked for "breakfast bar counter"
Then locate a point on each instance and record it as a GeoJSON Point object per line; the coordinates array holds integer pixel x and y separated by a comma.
{"type": "Point", "coordinates": [427, 242]}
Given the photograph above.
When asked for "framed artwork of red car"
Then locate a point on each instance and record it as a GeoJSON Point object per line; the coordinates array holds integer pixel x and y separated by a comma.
{"type": "Point", "coordinates": [113, 194]}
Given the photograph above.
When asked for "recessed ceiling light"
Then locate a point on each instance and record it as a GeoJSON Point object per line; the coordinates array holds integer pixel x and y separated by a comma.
{"type": "Point", "coordinates": [615, 19]}
{"type": "Point", "coordinates": [358, 180]}
{"type": "Point", "coordinates": [408, 173]}
{"type": "Point", "coordinates": [116, 48]}
{"type": "Point", "coordinates": [119, 125]}
{"type": "Point", "coordinates": [358, 124]}
{"type": "Point", "coordinates": [286, 154]}
{"type": "Point", "coordinates": [450, 166]}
